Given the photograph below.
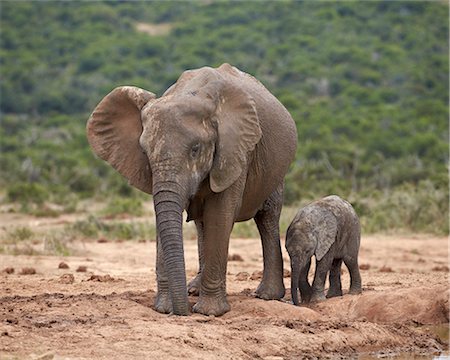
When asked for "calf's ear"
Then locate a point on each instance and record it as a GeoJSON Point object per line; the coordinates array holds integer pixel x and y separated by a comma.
{"type": "Point", "coordinates": [325, 232]}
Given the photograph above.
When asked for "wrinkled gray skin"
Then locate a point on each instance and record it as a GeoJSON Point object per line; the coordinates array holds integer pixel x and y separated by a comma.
{"type": "Point", "coordinates": [216, 144]}
{"type": "Point", "coordinates": [329, 229]}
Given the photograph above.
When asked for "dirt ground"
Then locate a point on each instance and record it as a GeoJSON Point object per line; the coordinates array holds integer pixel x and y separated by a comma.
{"type": "Point", "coordinates": [106, 311]}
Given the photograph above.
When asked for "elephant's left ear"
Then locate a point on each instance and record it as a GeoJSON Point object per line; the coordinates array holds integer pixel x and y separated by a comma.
{"type": "Point", "coordinates": [325, 232]}
{"type": "Point", "coordinates": [113, 131]}
{"type": "Point", "coordinates": [239, 132]}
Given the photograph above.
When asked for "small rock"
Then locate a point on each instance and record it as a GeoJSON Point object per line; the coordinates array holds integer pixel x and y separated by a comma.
{"type": "Point", "coordinates": [8, 270]}
{"type": "Point", "coordinates": [28, 271]}
{"type": "Point", "coordinates": [63, 265]}
{"type": "Point", "coordinates": [235, 257]}
{"type": "Point", "coordinates": [102, 240]}
{"type": "Point", "coordinates": [66, 279]}
{"type": "Point", "coordinates": [82, 268]}
{"type": "Point", "coordinates": [286, 273]}
{"type": "Point", "coordinates": [242, 276]}
{"type": "Point", "coordinates": [101, 278]}
{"type": "Point", "coordinates": [364, 266]}
{"type": "Point", "coordinates": [443, 268]}
{"type": "Point", "coordinates": [257, 275]}
{"type": "Point", "coordinates": [386, 269]}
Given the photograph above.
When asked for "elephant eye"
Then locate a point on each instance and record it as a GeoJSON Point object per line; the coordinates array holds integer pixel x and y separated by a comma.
{"type": "Point", "coordinates": [195, 150]}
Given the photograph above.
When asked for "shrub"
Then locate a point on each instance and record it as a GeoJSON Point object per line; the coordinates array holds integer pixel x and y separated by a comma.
{"type": "Point", "coordinates": [119, 206]}
{"type": "Point", "coordinates": [19, 234]}
{"type": "Point", "coordinates": [27, 193]}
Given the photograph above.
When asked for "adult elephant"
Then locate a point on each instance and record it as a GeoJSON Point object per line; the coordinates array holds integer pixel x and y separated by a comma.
{"type": "Point", "coordinates": [217, 144]}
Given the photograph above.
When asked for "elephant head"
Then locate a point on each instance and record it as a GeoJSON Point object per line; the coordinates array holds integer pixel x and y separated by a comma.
{"type": "Point", "coordinates": [201, 129]}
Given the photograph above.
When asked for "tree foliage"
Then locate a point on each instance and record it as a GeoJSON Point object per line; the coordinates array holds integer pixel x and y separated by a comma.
{"type": "Point", "coordinates": [366, 82]}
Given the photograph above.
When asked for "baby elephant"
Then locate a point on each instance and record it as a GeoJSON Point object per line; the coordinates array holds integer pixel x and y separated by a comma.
{"type": "Point", "coordinates": [329, 229]}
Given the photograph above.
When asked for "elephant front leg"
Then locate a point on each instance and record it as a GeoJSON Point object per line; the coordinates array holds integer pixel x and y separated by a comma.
{"type": "Point", "coordinates": [305, 288]}
{"type": "Point", "coordinates": [194, 284]}
{"type": "Point", "coordinates": [322, 268]}
{"type": "Point", "coordinates": [267, 221]}
{"type": "Point", "coordinates": [218, 222]}
{"type": "Point", "coordinates": [163, 303]}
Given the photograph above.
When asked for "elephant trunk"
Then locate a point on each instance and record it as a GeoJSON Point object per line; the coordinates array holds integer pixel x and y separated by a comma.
{"type": "Point", "coordinates": [168, 209]}
{"type": "Point", "coordinates": [295, 276]}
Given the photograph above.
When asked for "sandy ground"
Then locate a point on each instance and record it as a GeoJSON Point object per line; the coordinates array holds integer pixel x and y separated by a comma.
{"type": "Point", "coordinates": [107, 311]}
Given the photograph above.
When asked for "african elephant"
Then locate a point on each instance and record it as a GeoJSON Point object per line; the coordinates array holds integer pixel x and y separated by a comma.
{"type": "Point", "coordinates": [329, 229]}
{"type": "Point", "coordinates": [217, 144]}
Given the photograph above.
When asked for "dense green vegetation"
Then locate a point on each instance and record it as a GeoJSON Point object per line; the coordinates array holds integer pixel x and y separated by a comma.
{"type": "Point", "coordinates": [366, 82]}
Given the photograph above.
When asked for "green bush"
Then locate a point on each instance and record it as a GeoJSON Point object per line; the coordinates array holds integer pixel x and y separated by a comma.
{"type": "Point", "coordinates": [119, 206]}
{"type": "Point", "coordinates": [366, 83]}
{"type": "Point", "coordinates": [422, 208]}
{"type": "Point", "coordinates": [27, 193]}
{"type": "Point", "coordinates": [92, 228]}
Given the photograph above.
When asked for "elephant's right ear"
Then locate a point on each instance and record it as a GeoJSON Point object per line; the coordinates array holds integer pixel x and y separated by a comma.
{"type": "Point", "coordinates": [113, 131]}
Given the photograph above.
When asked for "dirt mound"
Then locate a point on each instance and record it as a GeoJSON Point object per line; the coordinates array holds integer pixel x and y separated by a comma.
{"type": "Point", "coordinates": [248, 307]}
{"type": "Point", "coordinates": [112, 314]}
{"type": "Point", "coordinates": [419, 305]}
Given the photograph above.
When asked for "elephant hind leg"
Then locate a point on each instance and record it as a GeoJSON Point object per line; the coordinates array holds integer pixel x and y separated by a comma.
{"type": "Point", "coordinates": [322, 268]}
{"type": "Point", "coordinates": [194, 284]}
{"type": "Point", "coordinates": [267, 220]}
{"type": "Point", "coordinates": [355, 278]}
{"type": "Point", "coordinates": [335, 279]}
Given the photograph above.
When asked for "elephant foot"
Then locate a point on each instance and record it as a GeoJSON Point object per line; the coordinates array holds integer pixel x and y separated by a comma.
{"type": "Point", "coordinates": [355, 291]}
{"type": "Point", "coordinates": [334, 293]}
{"type": "Point", "coordinates": [212, 305]}
{"type": "Point", "coordinates": [163, 303]}
{"type": "Point", "coordinates": [270, 290]}
{"type": "Point", "coordinates": [306, 299]}
{"type": "Point", "coordinates": [194, 286]}
{"type": "Point", "coordinates": [317, 297]}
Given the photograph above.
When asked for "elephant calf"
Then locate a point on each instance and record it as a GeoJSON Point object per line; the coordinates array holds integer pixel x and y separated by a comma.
{"type": "Point", "coordinates": [329, 229]}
